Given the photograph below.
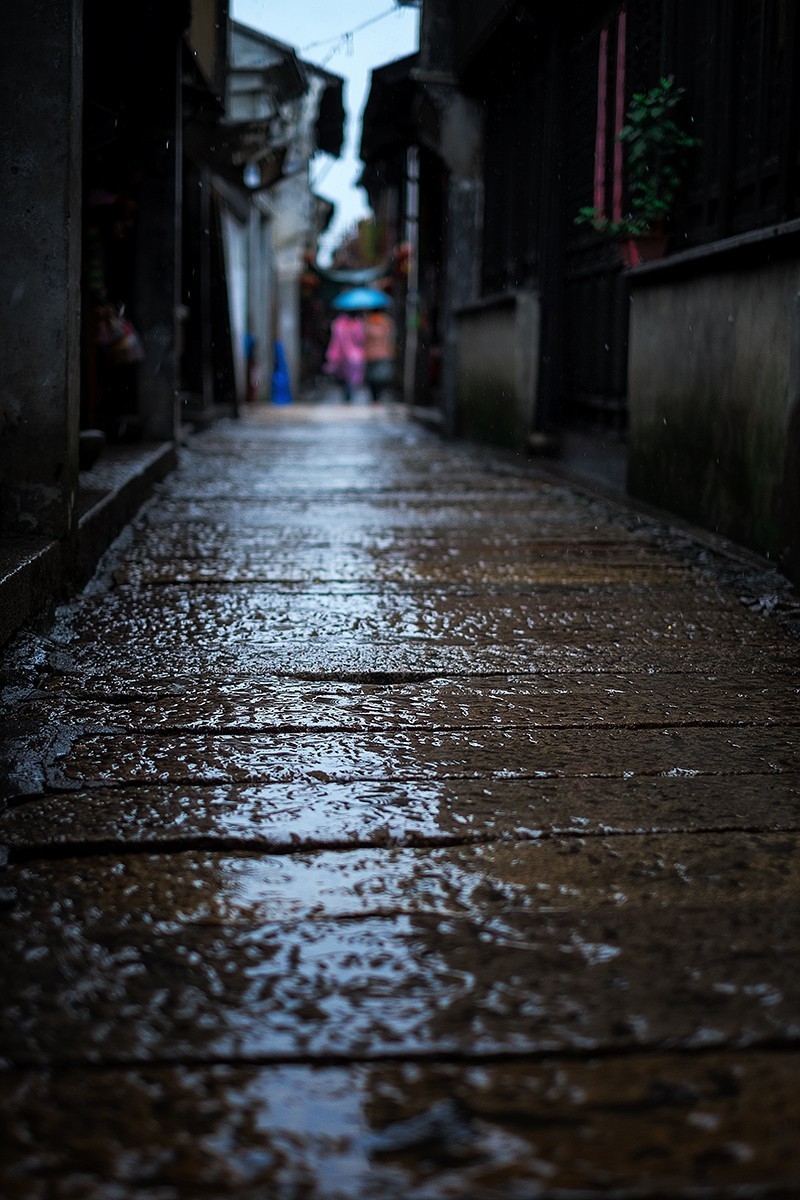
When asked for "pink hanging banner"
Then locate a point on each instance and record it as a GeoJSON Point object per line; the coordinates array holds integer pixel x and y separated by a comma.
{"type": "Point", "coordinates": [619, 116]}
{"type": "Point", "coordinates": [602, 120]}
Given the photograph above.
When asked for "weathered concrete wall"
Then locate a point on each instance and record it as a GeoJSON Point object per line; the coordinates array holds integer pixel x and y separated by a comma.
{"type": "Point", "coordinates": [464, 213]}
{"type": "Point", "coordinates": [460, 131]}
{"type": "Point", "coordinates": [451, 125]}
{"type": "Point", "coordinates": [710, 399]}
{"type": "Point", "coordinates": [790, 491]}
{"type": "Point", "coordinates": [40, 168]}
{"type": "Point", "coordinates": [158, 260]}
{"type": "Point", "coordinates": [497, 367]}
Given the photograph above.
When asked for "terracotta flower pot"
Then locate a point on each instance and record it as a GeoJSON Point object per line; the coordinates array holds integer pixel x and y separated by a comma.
{"type": "Point", "coordinates": [644, 247]}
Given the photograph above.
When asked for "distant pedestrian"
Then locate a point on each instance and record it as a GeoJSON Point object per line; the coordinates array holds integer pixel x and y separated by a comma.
{"type": "Point", "coordinates": [380, 351]}
{"type": "Point", "coordinates": [345, 359]}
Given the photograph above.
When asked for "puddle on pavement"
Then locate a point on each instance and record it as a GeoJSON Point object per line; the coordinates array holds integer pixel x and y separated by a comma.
{"type": "Point", "coordinates": [422, 984]}
{"type": "Point", "coordinates": [193, 957]}
{"type": "Point", "coordinates": [392, 756]}
{"type": "Point", "coordinates": [312, 814]}
{"type": "Point", "coordinates": [477, 881]}
{"type": "Point", "coordinates": [405, 1132]}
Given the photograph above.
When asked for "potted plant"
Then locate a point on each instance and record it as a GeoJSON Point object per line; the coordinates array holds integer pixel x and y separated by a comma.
{"type": "Point", "coordinates": [656, 155]}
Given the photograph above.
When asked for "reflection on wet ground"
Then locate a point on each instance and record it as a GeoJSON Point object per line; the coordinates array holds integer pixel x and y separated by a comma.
{"type": "Point", "coordinates": [387, 818]}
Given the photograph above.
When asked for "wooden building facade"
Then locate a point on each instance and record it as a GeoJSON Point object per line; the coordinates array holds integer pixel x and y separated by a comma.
{"type": "Point", "coordinates": [586, 342]}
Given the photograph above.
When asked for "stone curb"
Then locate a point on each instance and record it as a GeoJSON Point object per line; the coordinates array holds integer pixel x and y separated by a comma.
{"type": "Point", "coordinates": [35, 572]}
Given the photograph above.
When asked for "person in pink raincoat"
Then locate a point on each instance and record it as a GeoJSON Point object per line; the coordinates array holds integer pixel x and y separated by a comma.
{"type": "Point", "coordinates": [346, 355]}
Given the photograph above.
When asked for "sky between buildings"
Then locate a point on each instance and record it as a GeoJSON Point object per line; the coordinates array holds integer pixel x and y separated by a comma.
{"type": "Point", "coordinates": [349, 37]}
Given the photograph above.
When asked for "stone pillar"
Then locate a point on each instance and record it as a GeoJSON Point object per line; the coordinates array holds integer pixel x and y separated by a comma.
{"type": "Point", "coordinates": [790, 490]}
{"type": "Point", "coordinates": [40, 251]}
{"type": "Point", "coordinates": [464, 201]}
{"type": "Point", "coordinates": [461, 147]}
{"type": "Point", "coordinates": [158, 258]}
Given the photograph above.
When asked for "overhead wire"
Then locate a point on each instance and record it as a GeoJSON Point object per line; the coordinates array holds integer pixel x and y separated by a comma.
{"type": "Point", "coordinates": [345, 39]}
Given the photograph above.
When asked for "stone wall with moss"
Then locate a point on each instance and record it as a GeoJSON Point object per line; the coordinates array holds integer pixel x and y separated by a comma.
{"type": "Point", "coordinates": [497, 369]}
{"type": "Point", "coordinates": [711, 390]}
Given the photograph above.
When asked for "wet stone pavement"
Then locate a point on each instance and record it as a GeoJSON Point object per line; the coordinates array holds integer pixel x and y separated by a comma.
{"type": "Point", "coordinates": [389, 819]}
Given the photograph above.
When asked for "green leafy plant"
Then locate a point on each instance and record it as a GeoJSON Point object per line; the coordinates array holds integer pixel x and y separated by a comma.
{"type": "Point", "coordinates": [656, 155]}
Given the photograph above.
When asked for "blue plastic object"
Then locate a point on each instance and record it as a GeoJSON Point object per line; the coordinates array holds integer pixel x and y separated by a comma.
{"type": "Point", "coordinates": [281, 385]}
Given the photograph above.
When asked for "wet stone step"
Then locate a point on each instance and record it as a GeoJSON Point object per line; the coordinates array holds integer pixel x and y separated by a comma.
{"type": "Point", "coordinates": [345, 658]}
{"type": "Point", "coordinates": [412, 754]}
{"type": "Point", "coordinates": [485, 483]}
{"type": "Point", "coordinates": [502, 701]}
{"type": "Point", "coordinates": [479, 882]}
{"type": "Point", "coordinates": [264, 616]}
{"type": "Point", "coordinates": [537, 498]}
{"type": "Point", "coordinates": [715, 1120]}
{"type": "Point", "coordinates": [189, 541]}
{"type": "Point", "coordinates": [432, 638]}
{"type": "Point", "coordinates": [312, 813]}
{"type": "Point", "coordinates": [217, 522]}
{"type": "Point", "coordinates": [347, 565]}
{"type": "Point", "coordinates": [395, 547]}
{"type": "Point", "coordinates": [92, 989]}
{"type": "Point", "coordinates": [343, 481]}
{"type": "Point", "coordinates": [382, 465]}
{"type": "Point", "coordinates": [419, 458]}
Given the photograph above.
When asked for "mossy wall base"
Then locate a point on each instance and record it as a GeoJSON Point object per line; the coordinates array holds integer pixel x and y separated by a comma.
{"type": "Point", "coordinates": [497, 368]}
{"type": "Point", "coordinates": [711, 393]}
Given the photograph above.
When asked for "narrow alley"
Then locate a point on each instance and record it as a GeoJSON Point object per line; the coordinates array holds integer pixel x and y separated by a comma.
{"type": "Point", "coordinates": [390, 818]}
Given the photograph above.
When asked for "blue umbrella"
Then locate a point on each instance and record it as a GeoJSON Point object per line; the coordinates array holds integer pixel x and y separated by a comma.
{"type": "Point", "coordinates": [360, 300]}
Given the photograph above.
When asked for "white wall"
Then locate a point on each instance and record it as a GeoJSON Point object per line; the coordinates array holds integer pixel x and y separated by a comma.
{"type": "Point", "coordinates": [261, 298]}
{"type": "Point", "coordinates": [235, 243]}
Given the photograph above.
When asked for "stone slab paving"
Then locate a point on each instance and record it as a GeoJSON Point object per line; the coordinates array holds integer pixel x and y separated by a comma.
{"type": "Point", "coordinates": [388, 819]}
